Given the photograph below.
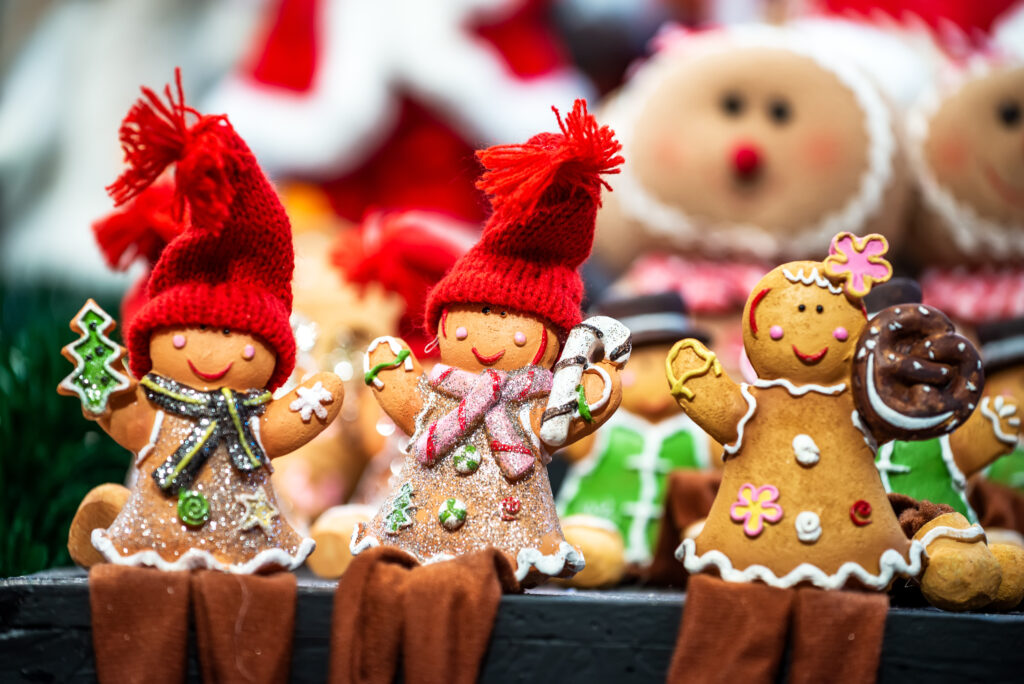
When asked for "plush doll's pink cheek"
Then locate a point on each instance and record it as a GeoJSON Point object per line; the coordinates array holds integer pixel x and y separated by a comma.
{"type": "Point", "coordinates": [840, 334]}
{"type": "Point", "coordinates": [952, 154]}
{"type": "Point", "coordinates": [775, 332]}
{"type": "Point", "coordinates": [461, 333]}
{"type": "Point", "coordinates": [178, 341]}
{"type": "Point", "coordinates": [248, 352]}
{"type": "Point", "coordinates": [668, 151]}
{"type": "Point", "coordinates": [519, 338]}
{"type": "Point", "coordinates": [821, 150]}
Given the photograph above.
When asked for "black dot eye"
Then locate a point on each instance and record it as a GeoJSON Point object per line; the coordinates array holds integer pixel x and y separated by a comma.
{"type": "Point", "coordinates": [801, 308]}
{"type": "Point", "coordinates": [779, 111]}
{"type": "Point", "coordinates": [486, 310]}
{"type": "Point", "coordinates": [226, 331]}
{"type": "Point", "coordinates": [820, 308]}
{"type": "Point", "coordinates": [504, 313]}
{"type": "Point", "coordinates": [733, 104]}
{"type": "Point", "coordinates": [202, 326]}
{"type": "Point", "coordinates": [1009, 113]}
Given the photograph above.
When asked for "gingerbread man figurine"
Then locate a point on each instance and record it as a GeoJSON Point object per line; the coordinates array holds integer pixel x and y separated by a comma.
{"type": "Point", "coordinates": [206, 350]}
{"type": "Point", "coordinates": [484, 420]}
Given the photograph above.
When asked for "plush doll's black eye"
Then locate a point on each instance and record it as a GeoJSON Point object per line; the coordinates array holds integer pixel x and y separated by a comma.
{"type": "Point", "coordinates": [202, 326]}
{"type": "Point", "coordinates": [486, 309]}
{"type": "Point", "coordinates": [733, 104]}
{"type": "Point", "coordinates": [1009, 113]}
{"type": "Point", "coordinates": [504, 313]}
{"type": "Point", "coordinates": [820, 308]}
{"type": "Point", "coordinates": [226, 331]}
{"type": "Point", "coordinates": [780, 111]}
{"type": "Point", "coordinates": [801, 308]}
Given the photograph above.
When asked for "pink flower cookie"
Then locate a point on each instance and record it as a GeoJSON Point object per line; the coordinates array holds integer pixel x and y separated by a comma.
{"type": "Point", "coordinates": [859, 261]}
{"type": "Point", "coordinates": [755, 506]}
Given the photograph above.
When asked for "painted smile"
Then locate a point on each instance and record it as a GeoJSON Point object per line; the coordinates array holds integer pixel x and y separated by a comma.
{"type": "Point", "coordinates": [810, 358]}
{"type": "Point", "coordinates": [210, 376]}
{"type": "Point", "coordinates": [488, 360]}
{"type": "Point", "coordinates": [1009, 194]}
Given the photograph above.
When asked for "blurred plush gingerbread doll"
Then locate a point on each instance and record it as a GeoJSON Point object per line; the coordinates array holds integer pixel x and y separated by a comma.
{"type": "Point", "coordinates": [475, 472]}
{"type": "Point", "coordinates": [801, 504]}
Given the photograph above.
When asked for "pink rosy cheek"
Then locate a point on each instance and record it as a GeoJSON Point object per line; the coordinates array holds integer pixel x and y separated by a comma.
{"type": "Point", "coordinates": [520, 338]}
{"type": "Point", "coordinates": [775, 332]}
{"type": "Point", "coordinates": [840, 334]}
{"type": "Point", "coordinates": [461, 333]}
{"type": "Point", "coordinates": [248, 352]}
{"type": "Point", "coordinates": [178, 341]}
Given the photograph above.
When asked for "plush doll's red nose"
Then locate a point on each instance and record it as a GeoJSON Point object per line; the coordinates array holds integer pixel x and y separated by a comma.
{"type": "Point", "coordinates": [746, 160]}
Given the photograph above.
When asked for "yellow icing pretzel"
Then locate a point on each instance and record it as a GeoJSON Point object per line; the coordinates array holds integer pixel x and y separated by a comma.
{"type": "Point", "coordinates": [711, 363]}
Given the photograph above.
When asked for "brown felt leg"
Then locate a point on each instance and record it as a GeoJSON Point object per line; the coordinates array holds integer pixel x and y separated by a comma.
{"type": "Point", "coordinates": [139, 624]}
{"type": "Point", "coordinates": [731, 632]}
{"type": "Point", "coordinates": [449, 612]}
{"type": "Point", "coordinates": [244, 625]}
{"type": "Point", "coordinates": [837, 636]}
{"type": "Point", "coordinates": [366, 630]}
{"type": "Point", "coordinates": [688, 498]}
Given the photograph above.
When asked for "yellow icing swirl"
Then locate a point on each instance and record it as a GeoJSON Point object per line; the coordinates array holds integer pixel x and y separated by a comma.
{"type": "Point", "coordinates": [711, 363]}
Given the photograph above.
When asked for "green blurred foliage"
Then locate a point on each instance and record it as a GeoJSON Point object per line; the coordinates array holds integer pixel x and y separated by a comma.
{"type": "Point", "coordinates": [50, 455]}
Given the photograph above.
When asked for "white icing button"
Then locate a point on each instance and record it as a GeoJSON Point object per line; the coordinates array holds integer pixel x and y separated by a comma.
{"type": "Point", "coordinates": [808, 527]}
{"type": "Point", "coordinates": [806, 451]}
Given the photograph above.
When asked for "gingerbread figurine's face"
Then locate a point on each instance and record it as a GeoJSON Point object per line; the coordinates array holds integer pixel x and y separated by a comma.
{"type": "Point", "coordinates": [207, 358]}
{"type": "Point", "coordinates": [800, 326]}
{"type": "Point", "coordinates": [740, 136]}
{"type": "Point", "coordinates": [975, 146]}
{"type": "Point", "coordinates": [643, 383]}
{"type": "Point", "coordinates": [477, 337]}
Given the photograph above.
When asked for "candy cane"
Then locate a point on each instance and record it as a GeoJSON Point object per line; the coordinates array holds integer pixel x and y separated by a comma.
{"type": "Point", "coordinates": [567, 400]}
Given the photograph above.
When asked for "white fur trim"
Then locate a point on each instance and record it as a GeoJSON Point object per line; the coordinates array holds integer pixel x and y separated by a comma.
{"type": "Point", "coordinates": [891, 564]}
{"type": "Point", "coordinates": [199, 559]}
{"type": "Point", "coordinates": [681, 228]}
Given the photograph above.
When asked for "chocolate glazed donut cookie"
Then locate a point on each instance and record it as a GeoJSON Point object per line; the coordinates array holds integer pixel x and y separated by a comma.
{"type": "Point", "coordinates": [913, 376]}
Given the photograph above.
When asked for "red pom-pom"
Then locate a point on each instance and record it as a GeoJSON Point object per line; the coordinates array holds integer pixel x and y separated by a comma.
{"type": "Point", "coordinates": [518, 176]}
{"type": "Point", "coordinates": [156, 134]}
{"type": "Point", "coordinates": [141, 228]}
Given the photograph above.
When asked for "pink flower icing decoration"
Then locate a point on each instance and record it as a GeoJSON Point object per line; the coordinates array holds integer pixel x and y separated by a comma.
{"type": "Point", "coordinates": [859, 261]}
{"type": "Point", "coordinates": [755, 506]}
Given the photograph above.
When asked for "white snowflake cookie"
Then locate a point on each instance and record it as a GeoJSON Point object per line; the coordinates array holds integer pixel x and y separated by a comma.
{"type": "Point", "coordinates": [311, 400]}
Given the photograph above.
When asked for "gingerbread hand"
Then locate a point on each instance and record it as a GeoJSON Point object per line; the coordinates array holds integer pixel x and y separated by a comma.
{"type": "Point", "coordinates": [914, 378]}
{"type": "Point", "coordinates": [393, 372]}
{"type": "Point", "coordinates": [991, 431]}
{"type": "Point", "coordinates": [703, 390]}
{"type": "Point", "coordinates": [302, 414]}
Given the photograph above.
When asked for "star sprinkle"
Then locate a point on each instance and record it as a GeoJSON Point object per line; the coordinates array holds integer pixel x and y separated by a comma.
{"type": "Point", "coordinates": [258, 511]}
{"type": "Point", "coordinates": [859, 261]}
{"type": "Point", "coordinates": [310, 401]}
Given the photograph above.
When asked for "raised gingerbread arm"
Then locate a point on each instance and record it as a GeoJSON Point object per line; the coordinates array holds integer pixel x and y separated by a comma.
{"type": "Point", "coordinates": [302, 414]}
{"type": "Point", "coordinates": [128, 419]}
{"type": "Point", "coordinates": [704, 390]}
{"type": "Point", "coordinates": [991, 431]}
{"type": "Point", "coordinates": [393, 372]}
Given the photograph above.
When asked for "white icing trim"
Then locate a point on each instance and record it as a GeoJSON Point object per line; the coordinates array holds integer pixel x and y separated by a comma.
{"type": "Point", "coordinates": [606, 391]}
{"type": "Point", "coordinates": [891, 564]}
{"type": "Point", "coordinates": [799, 390]}
{"type": "Point", "coordinates": [595, 521]}
{"type": "Point", "coordinates": [971, 232]}
{"type": "Point", "coordinates": [869, 438]}
{"type": "Point", "coordinates": [198, 559]}
{"type": "Point", "coordinates": [974, 533]}
{"type": "Point", "coordinates": [254, 426]}
{"type": "Point", "coordinates": [891, 415]}
{"type": "Point", "coordinates": [552, 564]}
{"type": "Point", "coordinates": [812, 278]}
{"type": "Point", "coordinates": [154, 434]}
{"type": "Point", "coordinates": [731, 449]}
{"type": "Point", "coordinates": [994, 418]}
{"type": "Point", "coordinates": [884, 465]}
{"type": "Point", "coordinates": [396, 348]}
{"type": "Point", "coordinates": [723, 238]}
{"type": "Point", "coordinates": [122, 381]}
{"type": "Point", "coordinates": [367, 542]}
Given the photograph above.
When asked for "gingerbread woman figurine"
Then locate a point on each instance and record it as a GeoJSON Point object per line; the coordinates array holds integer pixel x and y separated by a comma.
{"type": "Point", "coordinates": [206, 350]}
{"type": "Point", "coordinates": [485, 418]}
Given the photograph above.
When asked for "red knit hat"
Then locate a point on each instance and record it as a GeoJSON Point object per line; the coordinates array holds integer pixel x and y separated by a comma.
{"type": "Point", "coordinates": [232, 266]}
{"type": "Point", "coordinates": [545, 196]}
